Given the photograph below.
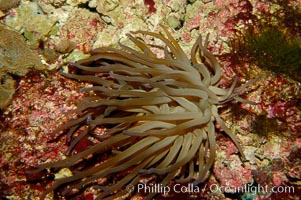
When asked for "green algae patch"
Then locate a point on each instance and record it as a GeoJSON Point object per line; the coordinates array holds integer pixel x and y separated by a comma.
{"type": "Point", "coordinates": [271, 39]}
{"type": "Point", "coordinates": [275, 51]}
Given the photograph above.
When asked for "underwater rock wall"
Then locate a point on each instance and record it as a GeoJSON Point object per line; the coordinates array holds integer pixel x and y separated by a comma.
{"type": "Point", "coordinates": [39, 38]}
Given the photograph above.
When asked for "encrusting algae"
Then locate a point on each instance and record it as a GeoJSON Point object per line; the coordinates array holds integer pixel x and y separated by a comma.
{"type": "Point", "coordinates": [7, 4]}
{"type": "Point", "coordinates": [16, 58]}
{"type": "Point", "coordinates": [158, 113]}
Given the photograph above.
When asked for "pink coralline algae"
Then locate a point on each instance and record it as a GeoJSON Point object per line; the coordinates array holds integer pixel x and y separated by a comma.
{"type": "Point", "coordinates": [42, 100]}
{"type": "Point", "coordinates": [228, 169]}
{"type": "Point", "coordinates": [294, 158]}
{"type": "Point", "coordinates": [227, 15]}
{"type": "Point", "coordinates": [39, 106]}
{"type": "Point", "coordinates": [231, 173]}
{"type": "Point", "coordinates": [82, 28]}
{"type": "Point", "coordinates": [279, 101]}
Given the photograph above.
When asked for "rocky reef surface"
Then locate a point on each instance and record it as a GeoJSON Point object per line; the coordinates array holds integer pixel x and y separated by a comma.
{"type": "Point", "coordinates": [38, 38]}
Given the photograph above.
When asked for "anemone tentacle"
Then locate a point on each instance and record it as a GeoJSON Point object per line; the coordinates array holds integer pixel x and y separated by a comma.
{"type": "Point", "coordinates": [159, 114]}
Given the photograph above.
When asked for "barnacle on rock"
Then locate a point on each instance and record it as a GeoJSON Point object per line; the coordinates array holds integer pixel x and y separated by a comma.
{"type": "Point", "coordinates": [159, 115]}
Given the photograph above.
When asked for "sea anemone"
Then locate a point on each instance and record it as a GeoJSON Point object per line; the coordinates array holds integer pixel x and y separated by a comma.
{"type": "Point", "coordinates": [158, 112]}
